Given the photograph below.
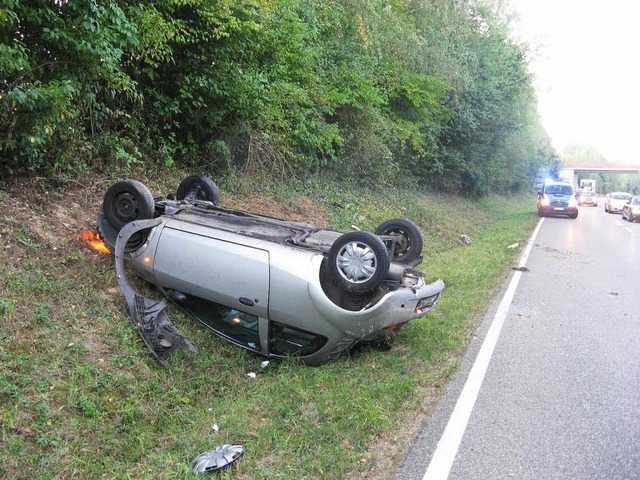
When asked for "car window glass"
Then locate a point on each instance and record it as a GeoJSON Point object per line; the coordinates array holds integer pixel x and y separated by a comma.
{"type": "Point", "coordinates": [558, 189]}
{"type": "Point", "coordinates": [287, 340]}
{"type": "Point", "coordinates": [233, 324]}
{"type": "Point", "coordinates": [636, 201]}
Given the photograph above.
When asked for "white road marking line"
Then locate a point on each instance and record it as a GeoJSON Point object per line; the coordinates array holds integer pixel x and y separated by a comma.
{"type": "Point", "coordinates": [447, 449]}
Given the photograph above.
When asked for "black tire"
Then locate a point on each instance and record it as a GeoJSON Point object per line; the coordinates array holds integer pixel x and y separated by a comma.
{"type": "Point", "coordinates": [573, 216]}
{"type": "Point", "coordinates": [126, 201]}
{"type": "Point", "coordinates": [198, 187]}
{"type": "Point", "coordinates": [409, 248]}
{"type": "Point", "coordinates": [358, 261]}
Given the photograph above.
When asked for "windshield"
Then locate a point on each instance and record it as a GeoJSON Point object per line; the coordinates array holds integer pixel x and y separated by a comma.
{"type": "Point", "coordinates": [558, 189]}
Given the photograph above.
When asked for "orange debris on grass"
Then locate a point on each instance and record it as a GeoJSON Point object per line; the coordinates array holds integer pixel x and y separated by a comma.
{"type": "Point", "coordinates": [93, 240]}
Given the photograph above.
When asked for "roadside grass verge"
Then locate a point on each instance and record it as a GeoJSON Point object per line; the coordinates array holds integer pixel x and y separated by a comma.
{"type": "Point", "coordinates": [80, 395]}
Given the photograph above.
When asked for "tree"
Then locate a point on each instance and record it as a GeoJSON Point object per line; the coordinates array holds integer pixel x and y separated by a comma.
{"type": "Point", "coordinates": [430, 89]}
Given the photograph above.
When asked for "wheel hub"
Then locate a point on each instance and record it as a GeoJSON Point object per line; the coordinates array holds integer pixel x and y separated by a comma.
{"type": "Point", "coordinates": [196, 193]}
{"type": "Point", "coordinates": [126, 206]}
{"type": "Point", "coordinates": [356, 262]}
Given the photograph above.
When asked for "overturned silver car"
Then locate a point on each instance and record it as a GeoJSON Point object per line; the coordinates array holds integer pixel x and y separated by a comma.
{"type": "Point", "coordinates": [272, 286]}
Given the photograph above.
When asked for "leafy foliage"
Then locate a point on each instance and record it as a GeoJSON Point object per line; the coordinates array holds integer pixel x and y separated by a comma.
{"type": "Point", "coordinates": [380, 91]}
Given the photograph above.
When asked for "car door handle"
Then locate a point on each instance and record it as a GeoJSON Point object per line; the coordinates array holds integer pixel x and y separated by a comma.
{"type": "Point", "coordinates": [246, 301]}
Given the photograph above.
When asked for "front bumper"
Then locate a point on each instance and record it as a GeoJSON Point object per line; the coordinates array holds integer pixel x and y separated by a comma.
{"type": "Point", "coordinates": [560, 211]}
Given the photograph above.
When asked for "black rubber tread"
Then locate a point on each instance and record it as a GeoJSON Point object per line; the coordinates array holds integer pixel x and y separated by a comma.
{"type": "Point", "coordinates": [126, 201]}
{"type": "Point", "coordinates": [198, 187]}
{"type": "Point", "coordinates": [413, 243]}
{"type": "Point", "coordinates": [380, 252]}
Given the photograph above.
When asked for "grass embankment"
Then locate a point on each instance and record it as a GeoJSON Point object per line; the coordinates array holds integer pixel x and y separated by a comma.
{"type": "Point", "coordinates": [80, 395]}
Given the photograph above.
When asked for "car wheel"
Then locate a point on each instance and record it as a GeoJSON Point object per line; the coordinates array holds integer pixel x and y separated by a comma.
{"type": "Point", "coordinates": [540, 213]}
{"type": "Point", "coordinates": [198, 187]}
{"type": "Point", "coordinates": [358, 261]}
{"type": "Point", "coordinates": [573, 216]}
{"type": "Point", "coordinates": [126, 201]}
{"type": "Point", "coordinates": [409, 245]}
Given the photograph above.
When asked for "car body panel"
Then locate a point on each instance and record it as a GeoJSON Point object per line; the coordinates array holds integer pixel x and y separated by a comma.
{"type": "Point", "coordinates": [588, 198]}
{"type": "Point", "coordinates": [181, 262]}
{"type": "Point", "coordinates": [615, 201]}
{"type": "Point", "coordinates": [184, 261]}
{"type": "Point", "coordinates": [631, 210]}
{"type": "Point", "coordinates": [270, 277]}
{"type": "Point", "coordinates": [557, 199]}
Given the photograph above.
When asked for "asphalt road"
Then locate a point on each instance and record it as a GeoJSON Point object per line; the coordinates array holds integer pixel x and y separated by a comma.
{"type": "Point", "coordinates": [561, 394]}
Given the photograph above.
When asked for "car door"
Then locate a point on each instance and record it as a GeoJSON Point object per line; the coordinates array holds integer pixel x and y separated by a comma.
{"type": "Point", "coordinates": [194, 262]}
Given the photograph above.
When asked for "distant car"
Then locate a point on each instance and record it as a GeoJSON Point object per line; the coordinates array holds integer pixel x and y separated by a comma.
{"type": "Point", "coordinates": [587, 198]}
{"type": "Point", "coordinates": [615, 201]}
{"type": "Point", "coordinates": [271, 286]}
{"type": "Point", "coordinates": [578, 194]}
{"type": "Point", "coordinates": [557, 199]}
{"type": "Point", "coordinates": [631, 209]}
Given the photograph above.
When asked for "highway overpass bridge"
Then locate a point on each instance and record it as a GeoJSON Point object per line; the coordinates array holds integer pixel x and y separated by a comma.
{"type": "Point", "coordinates": [570, 174]}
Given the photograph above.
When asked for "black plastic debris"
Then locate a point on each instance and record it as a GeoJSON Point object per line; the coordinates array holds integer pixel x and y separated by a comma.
{"type": "Point", "coordinates": [150, 316]}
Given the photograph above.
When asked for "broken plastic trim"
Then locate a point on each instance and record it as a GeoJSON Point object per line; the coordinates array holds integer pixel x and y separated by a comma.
{"type": "Point", "coordinates": [149, 315]}
{"type": "Point", "coordinates": [218, 458]}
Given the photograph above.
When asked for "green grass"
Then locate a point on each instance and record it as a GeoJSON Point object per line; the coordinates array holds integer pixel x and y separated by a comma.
{"type": "Point", "coordinates": [81, 396]}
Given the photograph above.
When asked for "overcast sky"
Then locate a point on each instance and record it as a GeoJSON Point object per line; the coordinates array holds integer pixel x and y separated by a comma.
{"type": "Point", "coordinates": [587, 70]}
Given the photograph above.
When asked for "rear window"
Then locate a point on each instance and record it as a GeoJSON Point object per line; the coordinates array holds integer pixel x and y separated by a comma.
{"type": "Point", "coordinates": [559, 189]}
{"type": "Point", "coordinates": [621, 197]}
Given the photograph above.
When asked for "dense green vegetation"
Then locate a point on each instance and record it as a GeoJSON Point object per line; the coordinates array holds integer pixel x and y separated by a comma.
{"type": "Point", "coordinates": [434, 90]}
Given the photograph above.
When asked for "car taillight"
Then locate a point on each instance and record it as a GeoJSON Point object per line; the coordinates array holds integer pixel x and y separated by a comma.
{"type": "Point", "coordinates": [426, 303]}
